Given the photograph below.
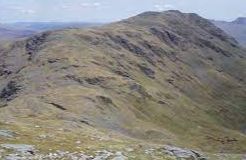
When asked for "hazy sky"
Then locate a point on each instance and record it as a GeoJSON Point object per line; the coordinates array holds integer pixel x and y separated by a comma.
{"type": "Point", "coordinates": [111, 10]}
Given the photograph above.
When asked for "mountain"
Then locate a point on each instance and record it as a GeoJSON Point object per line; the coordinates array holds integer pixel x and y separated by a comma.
{"type": "Point", "coordinates": [7, 33]}
{"type": "Point", "coordinates": [236, 28]}
{"type": "Point", "coordinates": [240, 20]}
{"type": "Point", "coordinates": [129, 88]}
{"type": "Point", "coordinates": [45, 26]}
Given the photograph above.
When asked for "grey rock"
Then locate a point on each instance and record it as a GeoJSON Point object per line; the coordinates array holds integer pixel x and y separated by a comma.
{"type": "Point", "coordinates": [7, 133]}
{"type": "Point", "coordinates": [244, 157]}
{"type": "Point", "coordinates": [119, 156]}
{"type": "Point", "coordinates": [183, 153]}
{"type": "Point", "coordinates": [102, 155]}
{"type": "Point", "coordinates": [42, 136]}
{"type": "Point", "coordinates": [149, 151]}
{"type": "Point", "coordinates": [22, 148]}
{"type": "Point", "coordinates": [129, 149]}
{"type": "Point", "coordinates": [13, 157]}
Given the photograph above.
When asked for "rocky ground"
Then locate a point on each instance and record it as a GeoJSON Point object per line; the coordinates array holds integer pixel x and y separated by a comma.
{"type": "Point", "coordinates": [28, 152]}
{"type": "Point", "coordinates": [131, 152]}
{"type": "Point", "coordinates": [23, 152]}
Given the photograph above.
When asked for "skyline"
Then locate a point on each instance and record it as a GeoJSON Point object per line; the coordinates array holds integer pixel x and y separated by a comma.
{"type": "Point", "coordinates": [112, 10]}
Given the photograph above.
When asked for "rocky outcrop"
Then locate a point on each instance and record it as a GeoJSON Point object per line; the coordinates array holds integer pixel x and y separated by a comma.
{"type": "Point", "coordinates": [105, 100]}
{"type": "Point", "coordinates": [166, 36]}
{"type": "Point", "coordinates": [4, 71]}
{"type": "Point", "coordinates": [34, 44]}
{"type": "Point", "coordinates": [183, 153]}
{"type": "Point", "coordinates": [95, 80]}
{"type": "Point", "coordinates": [9, 92]}
{"type": "Point", "coordinates": [147, 71]}
{"type": "Point", "coordinates": [126, 44]}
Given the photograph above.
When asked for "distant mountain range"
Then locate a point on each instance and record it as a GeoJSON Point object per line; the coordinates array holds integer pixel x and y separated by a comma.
{"type": "Point", "coordinates": [44, 26]}
{"type": "Point", "coordinates": [25, 29]}
{"type": "Point", "coordinates": [236, 28]}
{"type": "Point", "coordinates": [8, 33]}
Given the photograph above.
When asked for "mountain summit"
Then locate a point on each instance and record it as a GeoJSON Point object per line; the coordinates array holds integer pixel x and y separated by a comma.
{"type": "Point", "coordinates": [156, 78]}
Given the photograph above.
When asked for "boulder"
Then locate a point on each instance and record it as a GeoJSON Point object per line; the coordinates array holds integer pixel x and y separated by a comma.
{"type": "Point", "coordinates": [119, 156]}
{"type": "Point", "coordinates": [7, 133]}
{"type": "Point", "coordinates": [183, 153]}
{"type": "Point", "coordinates": [21, 148]}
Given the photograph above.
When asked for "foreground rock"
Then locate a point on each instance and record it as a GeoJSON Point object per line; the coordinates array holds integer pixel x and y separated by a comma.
{"type": "Point", "coordinates": [183, 153]}
{"type": "Point", "coordinates": [119, 156]}
{"type": "Point", "coordinates": [7, 133]}
{"type": "Point", "coordinates": [28, 152]}
{"type": "Point", "coordinates": [103, 155]}
{"type": "Point", "coordinates": [20, 148]}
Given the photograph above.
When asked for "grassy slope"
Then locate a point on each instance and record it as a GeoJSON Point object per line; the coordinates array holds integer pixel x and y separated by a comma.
{"type": "Point", "coordinates": [195, 97]}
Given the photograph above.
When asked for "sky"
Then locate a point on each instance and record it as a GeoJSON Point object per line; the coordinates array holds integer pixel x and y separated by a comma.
{"type": "Point", "coordinates": [112, 10]}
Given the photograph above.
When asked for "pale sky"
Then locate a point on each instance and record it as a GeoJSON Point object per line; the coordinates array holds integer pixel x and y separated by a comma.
{"type": "Point", "coordinates": [112, 10]}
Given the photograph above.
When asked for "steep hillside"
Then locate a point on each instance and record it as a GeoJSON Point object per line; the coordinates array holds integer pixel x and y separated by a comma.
{"type": "Point", "coordinates": [153, 79]}
{"type": "Point", "coordinates": [236, 28]}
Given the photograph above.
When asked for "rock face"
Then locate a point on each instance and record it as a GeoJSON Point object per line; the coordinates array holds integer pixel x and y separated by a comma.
{"type": "Point", "coordinates": [157, 76]}
{"type": "Point", "coordinates": [34, 44]}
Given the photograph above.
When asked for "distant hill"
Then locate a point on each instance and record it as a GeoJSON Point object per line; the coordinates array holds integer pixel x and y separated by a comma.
{"type": "Point", "coordinates": [24, 29]}
{"type": "Point", "coordinates": [9, 33]}
{"type": "Point", "coordinates": [236, 28]}
{"type": "Point", "coordinates": [44, 26]}
{"type": "Point", "coordinates": [240, 20]}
